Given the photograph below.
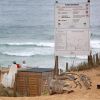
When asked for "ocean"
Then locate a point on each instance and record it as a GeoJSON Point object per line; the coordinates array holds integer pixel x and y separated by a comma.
{"type": "Point", "coordinates": [27, 32]}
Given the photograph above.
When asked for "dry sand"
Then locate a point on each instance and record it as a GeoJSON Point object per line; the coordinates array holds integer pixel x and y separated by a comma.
{"type": "Point", "coordinates": [78, 94]}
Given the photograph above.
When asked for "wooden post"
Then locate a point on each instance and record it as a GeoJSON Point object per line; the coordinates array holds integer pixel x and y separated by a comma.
{"type": "Point", "coordinates": [56, 69]}
{"type": "Point", "coordinates": [94, 60]}
{"type": "Point", "coordinates": [97, 59]}
{"type": "Point", "coordinates": [66, 66]}
{"type": "Point", "coordinates": [90, 59]}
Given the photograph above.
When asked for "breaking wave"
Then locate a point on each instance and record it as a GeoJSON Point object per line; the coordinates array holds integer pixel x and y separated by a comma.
{"type": "Point", "coordinates": [37, 44]}
{"type": "Point", "coordinates": [95, 44]}
{"type": "Point", "coordinates": [25, 54]}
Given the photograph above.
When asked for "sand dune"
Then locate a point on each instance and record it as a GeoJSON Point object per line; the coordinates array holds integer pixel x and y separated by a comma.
{"type": "Point", "coordinates": [78, 94]}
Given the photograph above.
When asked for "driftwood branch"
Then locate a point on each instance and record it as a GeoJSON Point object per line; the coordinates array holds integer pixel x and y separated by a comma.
{"type": "Point", "coordinates": [86, 81]}
{"type": "Point", "coordinates": [58, 85]}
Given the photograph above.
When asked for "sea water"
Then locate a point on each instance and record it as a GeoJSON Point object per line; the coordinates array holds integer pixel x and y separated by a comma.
{"type": "Point", "coordinates": [27, 32]}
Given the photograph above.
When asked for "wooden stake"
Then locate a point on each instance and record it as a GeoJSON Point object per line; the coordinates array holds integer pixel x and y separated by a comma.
{"type": "Point", "coordinates": [56, 69]}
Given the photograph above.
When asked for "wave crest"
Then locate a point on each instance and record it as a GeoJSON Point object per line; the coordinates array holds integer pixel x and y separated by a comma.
{"type": "Point", "coordinates": [95, 44]}
{"type": "Point", "coordinates": [37, 44]}
{"type": "Point", "coordinates": [24, 54]}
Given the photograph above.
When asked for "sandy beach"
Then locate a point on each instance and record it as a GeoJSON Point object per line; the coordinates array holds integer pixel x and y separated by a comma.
{"type": "Point", "coordinates": [78, 94]}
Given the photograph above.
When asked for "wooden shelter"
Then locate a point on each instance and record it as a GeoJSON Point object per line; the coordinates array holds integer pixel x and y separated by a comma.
{"type": "Point", "coordinates": [32, 82]}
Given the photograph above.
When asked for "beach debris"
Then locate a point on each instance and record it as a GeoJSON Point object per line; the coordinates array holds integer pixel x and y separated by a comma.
{"type": "Point", "coordinates": [79, 79]}
{"type": "Point", "coordinates": [58, 86]}
{"type": "Point", "coordinates": [98, 86]}
{"type": "Point", "coordinates": [5, 92]}
{"type": "Point", "coordinates": [85, 80]}
{"type": "Point", "coordinates": [60, 83]}
{"type": "Point", "coordinates": [71, 77]}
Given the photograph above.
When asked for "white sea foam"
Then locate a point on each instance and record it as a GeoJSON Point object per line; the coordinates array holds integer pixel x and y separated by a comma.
{"type": "Point", "coordinates": [47, 50]}
{"type": "Point", "coordinates": [82, 57]}
{"type": "Point", "coordinates": [24, 54]}
{"type": "Point", "coordinates": [40, 44]}
{"type": "Point", "coordinates": [36, 51]}
{"type": "Point", "coordinates": [95, 44]}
